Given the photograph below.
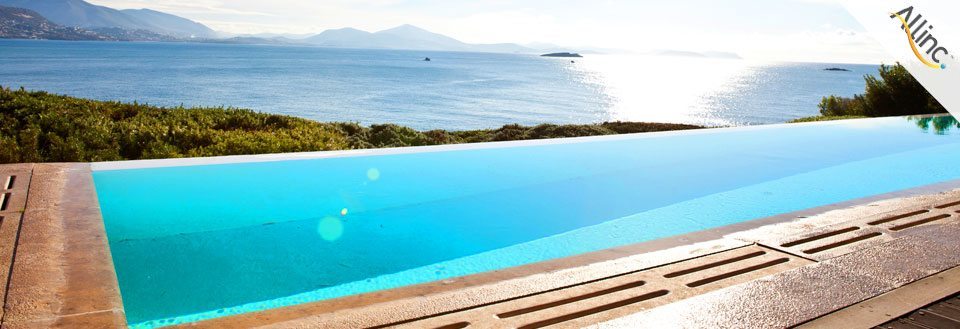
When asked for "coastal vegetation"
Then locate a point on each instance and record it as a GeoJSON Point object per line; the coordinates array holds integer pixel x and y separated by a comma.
{"type": "Point", "coordinates": [894, 92]}
{"type": "Point", "coordinates": [36, 126]}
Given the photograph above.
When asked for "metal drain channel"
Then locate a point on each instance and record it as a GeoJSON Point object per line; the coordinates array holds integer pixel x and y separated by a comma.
{"type": "Point", "coordinates": [13, 199]}
{"type": "Point", "coordinates": [8, 185]}
{"type": "Point", "coordinates": [13, 191]}
{"type": "Point", "coordinates": [848, 236]}
{"type": "Point", "coordinates": [615, 296]}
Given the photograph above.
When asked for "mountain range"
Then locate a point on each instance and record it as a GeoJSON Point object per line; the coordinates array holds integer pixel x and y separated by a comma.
{"type": "Point", "coordinates": [82, 14]}
{"type": "Point", "coordinates": [27, 24]}
{"type": "Point", "coordinates": [404, 37]}
{"type": "Point", "coordinates": [81, 20]}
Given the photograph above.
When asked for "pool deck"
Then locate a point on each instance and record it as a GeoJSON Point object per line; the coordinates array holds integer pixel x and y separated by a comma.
{"type": "Point", "coordinates": [866, 262]}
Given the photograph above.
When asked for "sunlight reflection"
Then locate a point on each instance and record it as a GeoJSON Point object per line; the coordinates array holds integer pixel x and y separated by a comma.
{"type": "Point", "coordinates": [677, 94]}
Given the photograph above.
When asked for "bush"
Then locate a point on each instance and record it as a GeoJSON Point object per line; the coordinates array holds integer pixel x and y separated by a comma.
{"type": "Point", "coordinates": [39, 127]}
{"type": "Point", "coordinates": [894, 93]}
{"type": "Point", "coordinates": [43, 127]}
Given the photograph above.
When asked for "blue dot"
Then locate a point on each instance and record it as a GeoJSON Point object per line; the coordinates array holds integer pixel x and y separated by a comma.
{"type": "Point", "coordinates": [943, 66]}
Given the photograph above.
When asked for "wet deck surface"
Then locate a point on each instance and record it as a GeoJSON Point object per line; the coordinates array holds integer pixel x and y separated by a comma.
{"type": "Point", "coordinates": [879, 261]}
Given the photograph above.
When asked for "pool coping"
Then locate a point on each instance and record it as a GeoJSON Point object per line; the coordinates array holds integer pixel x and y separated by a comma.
{"type": "Point", "coordinates": [234, 159]}
{"type": "Point", "coordinates": [62, 273]}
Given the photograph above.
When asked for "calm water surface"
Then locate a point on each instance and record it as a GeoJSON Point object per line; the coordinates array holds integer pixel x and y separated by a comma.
{"type": "Point", "coordinates": [453, 91]}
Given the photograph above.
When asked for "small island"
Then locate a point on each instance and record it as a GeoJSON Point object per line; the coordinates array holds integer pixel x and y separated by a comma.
{"type": "Point", "coordinates": [561, 55]}
{"type": "Point", "coordinates": [836, 69]}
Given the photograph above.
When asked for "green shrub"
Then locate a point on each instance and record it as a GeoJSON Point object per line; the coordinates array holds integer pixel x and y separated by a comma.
{"type": "Point", "coordinates": [840, 106]}
{"type": "Point", "coordinates": [39, 127]}
{"type": "Point", "coordinates": [894, 93]}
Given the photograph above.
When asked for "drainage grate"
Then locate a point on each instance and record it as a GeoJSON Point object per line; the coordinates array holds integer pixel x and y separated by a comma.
{"type": "Point", "coordinates": [615, 296]}
{"type": "Point", "coordinates": [846, 237]}
{"type": "Point", "coordinates": [4, 201]}
{"type": "Point", "coordinates": [8, 185]}
{"type": "Point", "coordinates": [13, 190]}
{"type": "Point", "coordinates": [944, 314]}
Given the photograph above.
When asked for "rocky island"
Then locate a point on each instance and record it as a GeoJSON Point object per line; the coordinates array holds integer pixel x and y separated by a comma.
{"type": "Point", "coordinates": [562, 55]}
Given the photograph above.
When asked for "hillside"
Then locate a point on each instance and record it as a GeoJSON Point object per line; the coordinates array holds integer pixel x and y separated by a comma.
{"type": "Point", "coordinates": [18, 23]}
{"type": "Point", "coordinates": [79, 13]}
{"type": "Point", "coordinates": [404, 37]}
{"type": "Point", "coordinates": [164, 23]}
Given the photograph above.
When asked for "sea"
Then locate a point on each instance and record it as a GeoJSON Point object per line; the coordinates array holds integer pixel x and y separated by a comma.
{"type": "Point", "coordinates": [453, 90]}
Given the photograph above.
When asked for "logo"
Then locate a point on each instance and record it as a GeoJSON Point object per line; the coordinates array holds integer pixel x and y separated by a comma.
{"type": "Point", "coordinates": [926, 39]}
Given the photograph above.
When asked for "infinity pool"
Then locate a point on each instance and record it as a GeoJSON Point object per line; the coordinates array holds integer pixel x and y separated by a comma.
{"type": "Point", "coordinates": [197, 239]}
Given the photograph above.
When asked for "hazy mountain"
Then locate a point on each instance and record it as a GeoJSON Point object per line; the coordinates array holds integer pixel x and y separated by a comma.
{"type": "Point", "coordinates": [404, 37]}
{"type": "Point", "coordinates": [409, 35]}
{"type": "Point", "coordinates": [79, 13]}
{"type": "Point", "coordinates": [345, 37]}
{"type": "Point", "coordinates": [266, 35]}
{"type": "Point", "coordinates": [169, 24]}
{"type": "Point", "coordinates": [246, 40]}
{"type": "Point", "coordinates": [19, 23]}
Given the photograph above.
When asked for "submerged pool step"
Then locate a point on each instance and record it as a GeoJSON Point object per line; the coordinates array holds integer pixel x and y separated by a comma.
{"type": "Point", "coordinates": [842, 238]}
{"type": "Point", "coordinates": [627, 293]}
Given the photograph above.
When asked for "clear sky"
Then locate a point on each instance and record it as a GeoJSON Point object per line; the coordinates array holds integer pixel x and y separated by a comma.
{"type": "Point", "coordinates": [790, 30]}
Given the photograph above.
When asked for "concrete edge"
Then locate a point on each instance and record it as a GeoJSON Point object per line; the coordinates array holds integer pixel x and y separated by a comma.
{"type": "Point", "coordinates": [62, 274]}
{"type": "Point", "coordinates": [144, 164]}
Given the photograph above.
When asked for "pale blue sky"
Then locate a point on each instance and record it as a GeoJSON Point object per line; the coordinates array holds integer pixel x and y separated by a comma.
{"type": "Point", "coordinates": [796, 30]}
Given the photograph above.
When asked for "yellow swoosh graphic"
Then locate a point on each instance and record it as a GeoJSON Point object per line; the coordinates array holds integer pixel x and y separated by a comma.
{"type": "Point", "coordinates": [913, 44]}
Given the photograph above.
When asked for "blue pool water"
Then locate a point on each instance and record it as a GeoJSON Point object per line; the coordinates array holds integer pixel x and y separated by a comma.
{"type": "Point", "coordinates": [201, 241]}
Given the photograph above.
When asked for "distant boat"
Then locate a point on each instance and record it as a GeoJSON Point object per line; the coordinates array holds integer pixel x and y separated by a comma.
{"type": "Point", "coordinates": [836, 69]}
{"type": "Point", "coordinates": [426, 59]}
{"type": "Point", "coordinates": [561, 55]}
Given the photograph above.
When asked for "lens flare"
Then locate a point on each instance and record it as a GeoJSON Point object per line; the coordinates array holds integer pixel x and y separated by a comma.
{"type": "Point", "coordinates": [373, 174]}
{"type": "Point", "coordinates": [343, 212]}
{"type": "Point", "coordinates": [330, 228]}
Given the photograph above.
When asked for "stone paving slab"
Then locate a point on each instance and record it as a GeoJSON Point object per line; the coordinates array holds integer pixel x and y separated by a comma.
{"type": "Point", "coordinates": [797, 296]}
{"type": "Point", "coordinates": [62, 274]}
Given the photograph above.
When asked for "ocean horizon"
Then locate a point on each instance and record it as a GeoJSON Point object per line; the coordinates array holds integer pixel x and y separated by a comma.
{"type": "Point", "coordinates": [454, 90]}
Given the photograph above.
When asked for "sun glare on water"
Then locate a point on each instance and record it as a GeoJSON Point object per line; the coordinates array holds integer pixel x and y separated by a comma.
{"type": "Point", "coordinates": [663, 88]}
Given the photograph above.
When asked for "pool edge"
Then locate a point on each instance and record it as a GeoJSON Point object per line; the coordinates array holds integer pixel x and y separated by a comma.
{"type": "Point", "coordinates": [61, 272]}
